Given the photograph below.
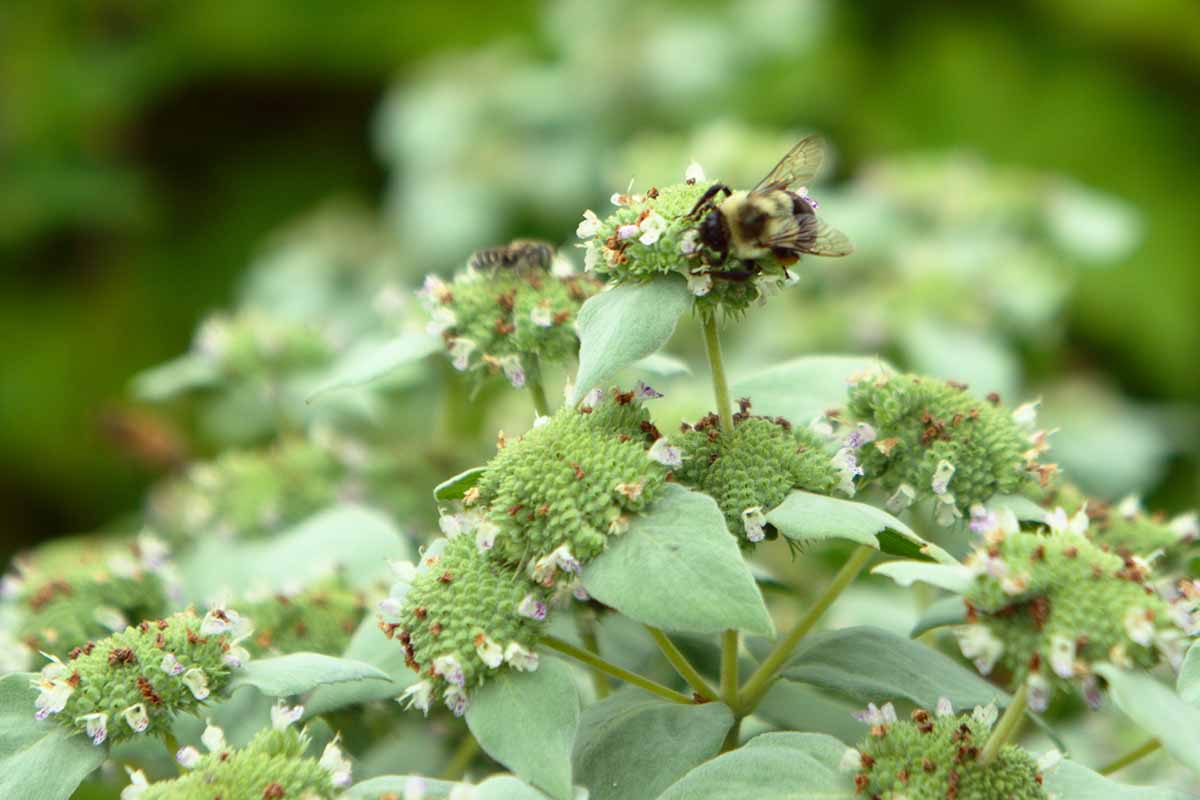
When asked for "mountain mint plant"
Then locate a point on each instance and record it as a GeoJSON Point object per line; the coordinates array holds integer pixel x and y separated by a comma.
{"type": "Point", "coordinates": [603, 605]}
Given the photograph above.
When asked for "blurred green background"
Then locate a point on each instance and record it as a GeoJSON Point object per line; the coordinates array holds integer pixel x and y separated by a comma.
{"type": "Point", "coordinates": [148, 149]}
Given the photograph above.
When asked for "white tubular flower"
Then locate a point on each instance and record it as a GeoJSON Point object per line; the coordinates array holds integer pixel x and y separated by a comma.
{"type": "Point", "coordinates": [845, 461]}
{"type": "Point", "coordinates": [213, 737]}
{"type": "Point", "coordinates": [460, 353]}
{"type": "Point", "coordinates": [652, 227]}
{"type": "Point", "coordinates": [545, 568]}
{"type": "Point", "coordinates": [1139, 626]}
{"type": "Point", "coordinates": [985, 715]}
{"type": "Point", "coordinates": [54, 688]}
{"type": "Point", "coordinates": [220, 620]}
{"type": "Point", "coordinates": [448, 667]}
{"type": "Point", "coordinates": [942, 476]}
{"type": "Point", "coordinates": [463, 791]}
{"type": "Point", "coordinates": [1130, 506]}
{"type": "Point", "coordinates": [110, 618]}
{"type": "Point", "coordinates": [699, 283]}
{"type": "Point", "coordinates": [1048, 760]}
{"type": "Point", "coordinates": [485, 535]}
{"type": "Point", "coordinates": [754, 521]}
{"type": "Point", "coordinates": [593, 398]}
{"type": "Point", "coordinates": [532, 608]}
{"type": "Point", "coordinates": [196, 682]}
{"type": "Point", "coordinates": [520, 657]}
{"type": "Point", "coordinates": [1062, 656]}
{"type": "Point", "coordinates": [689, 243]}
{"type": "Point", "coordinates": [851, 760]}
{"type": "Point", "coordinates": [632, 491]}
{"type": "Point", "coordinates": [874, 715]}
{"type": "Point", "coordinates": [391, 608]}
{"type": "Point", "coordinates": [171, 665]}
{"type": "Point", "coordinates": [137, 785]}
{"type": "Point", "coordinates": [137, 718]}
{"type": "Point", "coordinates": [188, 757]}
{"type": "Point", "coordinates": [591, 257]}
{"type": "Point", "coordinates": [644, 391]}
{"type": "Point", "coordinates": [541, 316]}
{"type": "Point", "coordinates": [433, 291]}
{"type": "Point", "coordinates": [456, 700]}
{"type": "Point", "coordinates": [414, 788]}
{"type": "Point", "coordinates": [153, 551]}
{"type": "Point", "coordinates": [441, 319]}
{"type": "Point", "coordinates": [627, 232]}
{"type": "Point", "coordinates": [944, 707]}
{"type": "Point", "coordinates": [1058, 521]}
{"type": "Point", "coordinates": [902, 498]}
{"type": "Point", "coordinates": [419, 695]}
{"type": "Point", "coordinates": [1039, 692]}
{"type": "Point", "coordinates": [590, 225]}
{"type": "Point", "coordinates": [1025, 415]}
{"type": "Point", "coordinates": [514, 370]}
{"type": "Point", "coordinates": [489, 650]}
{"type": "Point", "coordinates": [96, 727]}
{"type": "Point", "coordinates": [665, 453]}
{"type": "Point", "coordinates": [861, 435]}
{"type": "Point", "coordinates": [336, 764]}
{"type": "Point", "coordinates": [945, 510]}
{"type": "Point", "coordinates": [235, 656]}
{"type": "Point", "coordinates": [694, 173]}
{"type": "Point", "coordinates": [11, 587]}
{"type": "Point", "coordinates": [978, 644]}
{"type": "Point", "coordinates": [1186, 526]}
{"type": "Point", "coordinates": [283, 716]}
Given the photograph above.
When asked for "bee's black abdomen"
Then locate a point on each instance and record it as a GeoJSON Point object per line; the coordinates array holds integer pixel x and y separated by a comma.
{"type": "Point", "coordinates": [714, 232]}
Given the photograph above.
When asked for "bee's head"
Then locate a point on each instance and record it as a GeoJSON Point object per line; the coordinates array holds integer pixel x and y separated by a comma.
{"type": "Point", "coordinates": [714, 231]}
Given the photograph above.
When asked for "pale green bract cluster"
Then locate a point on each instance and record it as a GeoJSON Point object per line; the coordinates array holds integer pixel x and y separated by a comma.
{"type": "Point", "coordinates": [935, 756]}
{"type": "Point", "coordinates": [1047, 606]}
{"type": "Point", "coordinates": [273, 766]}
{"type": "Point", "coordinates": [508, 322]}
{"type": "Point", "coordinates": [752, 470]}
{"type": "Point", "coordinates": [252, 342]}
{"type": "Point", "coordinates": [136, 681]}
{"type": "Point", "coordinates": [927, 438]}
{"type": "Point", "coordinates": [1127, 528]}
{"type": "Point", "coordinates": [652, 235]}
{"type": "Point", "coordinates": [318, 619]}
{"type": "Point", "coordinates": [547, 504]}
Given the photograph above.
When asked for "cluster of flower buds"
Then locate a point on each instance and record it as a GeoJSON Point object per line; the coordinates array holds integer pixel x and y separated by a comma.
{"type": "Point", "coordinates": [249, 494]}
{"type": "Point", "coordinates": [652, 234]}
{"type": "Point", "coordinates": [136, 681]}
{"type": "Point", "coordinates": [508, 321]}
{"type": "Point", "coordinates": [937, 755]}
{"type": "Point", "coordinates": [273, 765]}
{"type": "Point", "coordinates": [752, 470]}
{"type": "Point", "coordinates": [1047, 605]}
{"type": "Point", "coordinates": [546, 504]}
{"type": "Point", "coordinates": [1127, 529]}
{"type": "Point", "coordinates": [74, 590]}
{"type": "Point", "coordinates": [930, 438]}
{"type": "Point", "coordinates": [318, 619]}
{"type": "Point", "coordinates": [252, 343]}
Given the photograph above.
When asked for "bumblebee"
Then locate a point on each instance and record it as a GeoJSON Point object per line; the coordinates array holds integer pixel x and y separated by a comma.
{"type": "Point", "coordinates": [519, 254]}
{"type": "Point", "coordinates": [774, 218]}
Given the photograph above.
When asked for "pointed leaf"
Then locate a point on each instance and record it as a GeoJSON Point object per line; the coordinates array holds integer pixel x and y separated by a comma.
{"type": "Point", "coordinates": [806, 517]}
{"type": "Point", "coordinates": [632, 745]}
{"type": "Point", "coordinates": [773, 766]}
{"type": "Point", "coordinates": [367, 646]}
{"type": "Point", "coordinates": [454, 488]}
{"type": "Point", "coordinates": [1157, 710]}
{"type": "Point", "coordinates": [805, 388]}
{"type": "Point", "coordinates": [1188, 684]}
{"type": "Point", "coordinates": [623, 325]}
{"type": "Point", "coordinates": [297, 673]}
{"type": "Point", "coordinates": [1071, 781]}
{"type": "Point", "coordinates": [870, 665]}
{"type": "Point", "coordinates": [39, 759]}
{"type": "Point", "coordinates": [947, 611]}
{"type": "Point", "coordinates": [951, 577]}
{"type": "Point", "coordinates": [1025, 509]}
{"type": "Point", "coordinates": [382, 785]}
{"type": "Point", "coordinates": [677, 568]}
{"type": "Point", "coordinates": [527, 721]}
{"type": "Point", "coordinates": [662, 364]}
{"type": "Point", "coordinates": [189, 371]}
{"type": "Point", "coordinates": [372, 361]}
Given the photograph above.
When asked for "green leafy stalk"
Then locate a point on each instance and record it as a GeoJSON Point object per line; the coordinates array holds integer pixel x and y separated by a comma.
{"type": "Point", "coordinates": [620, 673]}
{"type": "Point", "coordinates": [586, 622]}
{"type": "Point", "coordinates": [1007, 727]}
{"type": "Point", "coordinates": [756, 687]}
{"type": "Point", "coordinates": [464, 754]}
{"type": "Point", "coordinates": [681, 664]}
{"type": "Point", "coordinates": [1151, 746]}
{"type": "Point", "coordinates": [538, 391]}
{"type": "Point", "coordinates": [712, 346]}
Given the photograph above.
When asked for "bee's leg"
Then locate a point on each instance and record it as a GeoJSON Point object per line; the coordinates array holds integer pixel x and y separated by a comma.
{"type": "Point", "coordinates": [707, 197]}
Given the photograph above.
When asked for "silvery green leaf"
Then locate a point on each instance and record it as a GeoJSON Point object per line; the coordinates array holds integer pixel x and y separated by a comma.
{"type": "Point", "coordinates": [1188, 684]}
{"type": "Point", "coordinates": [297, 673]}
{"type": "Point", "coordinates": [1025, 509]}
{"type": "Point", "coordinates": [772, 766]}
{"type": "Point", "coordinates": [527, 721]}
{"type": "Point", "coordinates": [805, 388]}
{"type": "Point", "coordinates": [1158, 711]}
{"type": "Point", "coordinates": [454, 488]}
{"type": "Point", "coordinates": [372, 788]}
{"type": "Point", "coordinates": [1071, 781]}
{"type": "Point", "coordinates": [367, 646]}
{"type": "Point", "coordinates": [804, 516]}
{"type": "Point", "coordinates": [947, 611]}
{"type": "Point", "coordinates": [625, 324]}
{"type": "Point", "coordinates": [677, 568]}
{"type": "Point", "coordinates": [951, 577]}
{"type": "Point", "coordinates": [187, 372]}
{"type": "Point", "coordinates": [1094, 227]}
{"type": "Point", "coordinates": [662, 364]}
{"type": "Point", "coordinates": [39, 759]}
{"type": "Point", "coordinates": [981, 360]}
{"type": "Point", "coordinates": [371, 361]}
{"type": "Point", "coordinates": [633, 745]}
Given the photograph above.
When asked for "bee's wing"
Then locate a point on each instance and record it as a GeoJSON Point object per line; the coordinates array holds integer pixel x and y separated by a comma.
{"type": "Point", "coordinates": [806, 234]}
{"type": "Point", "coordinates": [797, 168]}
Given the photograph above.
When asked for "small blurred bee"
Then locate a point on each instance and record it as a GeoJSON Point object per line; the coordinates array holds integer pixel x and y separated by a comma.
{"type": "Point", "coordinates": [771, 218]}
{"type": "Point", "coordinates": [519, 254]}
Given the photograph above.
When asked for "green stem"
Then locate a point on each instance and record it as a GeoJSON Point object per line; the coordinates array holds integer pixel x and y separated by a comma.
{"type": "Point", "coordinates": [172, 743]}
{"type": "Point", "coordinates": [731, 738]}
{"type": "Point", "coordinates": [464, 754]}
{"type": "Point", "coordinates": [534, 381]}
{"type": "Point", "coordinates": [620, 673]}
{"type": "Point", "coordinates": [1124, 761]}
{"type": "Point", "coordinates": [760, 681]}
{"type": "Point", "coordinates": [586, 623]}
{"type": "Point", "coordinates": [712, 346]}
{"type": "Point", "coordinates": [729, 668]}
{"type": "Point", "coordinates": [681, 664]}
{"type": "Point", "coordinates": [1007, 727]}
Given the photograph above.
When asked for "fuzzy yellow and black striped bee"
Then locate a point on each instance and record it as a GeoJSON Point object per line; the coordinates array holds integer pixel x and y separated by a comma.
{"type": "Point", "coordinates": [775, 218]}
{"type": "Point", "coordinates": [519, 254]}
